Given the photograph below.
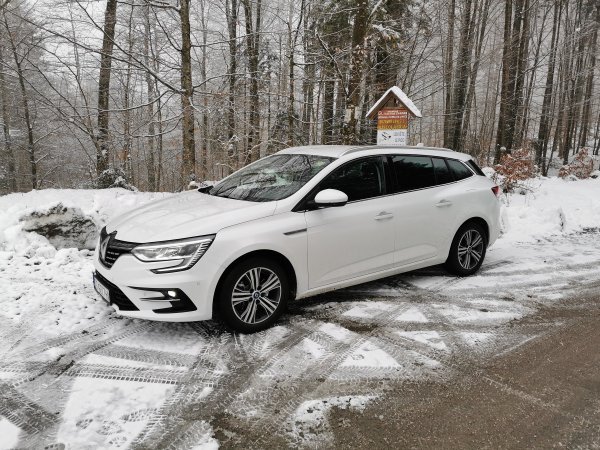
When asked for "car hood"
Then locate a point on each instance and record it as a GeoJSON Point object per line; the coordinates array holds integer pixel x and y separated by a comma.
{"type": "Point", "coordinates": [185, 215]}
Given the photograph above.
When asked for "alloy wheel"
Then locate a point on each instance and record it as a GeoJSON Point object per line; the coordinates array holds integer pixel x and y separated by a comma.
{"type": "Point", "coordinates": [256, 295]}
{"type": "Point", "coordinates": [470, 249]}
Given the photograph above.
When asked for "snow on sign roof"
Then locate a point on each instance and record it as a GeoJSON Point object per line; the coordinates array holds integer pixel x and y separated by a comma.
{"type": "Point", "coordinates": [401, 96]}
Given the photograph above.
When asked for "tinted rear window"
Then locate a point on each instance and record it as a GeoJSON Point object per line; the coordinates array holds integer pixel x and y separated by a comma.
{"type": "Point", "coordinates": [442, 172]}
{"type": "Point", "coordinates": [473, 165]}
{"type": "Point", "coordinates": [413, 172]}
{"type": "Point", "coordinates": [459, 170]}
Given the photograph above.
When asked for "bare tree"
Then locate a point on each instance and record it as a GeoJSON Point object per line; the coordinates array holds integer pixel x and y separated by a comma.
{"type": "Point", "coordinates": [110, 20]}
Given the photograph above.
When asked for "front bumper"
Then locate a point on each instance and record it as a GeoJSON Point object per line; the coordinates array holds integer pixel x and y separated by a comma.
{"type": "Point", "coordinates": [135, 291]}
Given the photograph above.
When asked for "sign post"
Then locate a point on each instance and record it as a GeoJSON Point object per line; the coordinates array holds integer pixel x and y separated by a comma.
{"type": "Point", "coordinates": [393, 112]}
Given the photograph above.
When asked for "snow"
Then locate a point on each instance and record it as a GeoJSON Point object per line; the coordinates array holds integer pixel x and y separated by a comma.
{"type": "Point", "coordinates": [399, 93]}
{"type": "Point", "coordinates": [412, 315]}
{"type": "Point", "coordinates": [101, 413]}
{"type": "Point", "coordinates": [336, 332]}
{"type": "Point", "coordinates": [430, 338]}
{"type": "Point", "coordinates": [114, 362]}
{"type": "Point", "coordinates": [474, 339]}
{"type": "Point", "coordinates": [312, 348]}
{"type": "Point", "coordinates": [369, 355]}
{"type": "Point", "coordinates": [10, 434]}
{"type": "Point", "coordinates": [368, 310]}
{"type": "Point", "coordinates": [309, 424]}
{"type": "Point", "coordinates": [459, 314]}
{"type": "Point", "coordinates": [35, 276]}
{"type": "Point", "coordinates": [166, 337]}
{"type": "Point", "coordinates": [100, 205]}
{"type": "Point", "coordinates": [553, 207]}
{"type": "Point", "coordinates": [388, 330]}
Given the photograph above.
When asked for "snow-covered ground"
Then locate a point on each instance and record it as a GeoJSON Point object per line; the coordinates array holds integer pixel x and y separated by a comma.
{"type": "Point", "coordinates": [74, 373]}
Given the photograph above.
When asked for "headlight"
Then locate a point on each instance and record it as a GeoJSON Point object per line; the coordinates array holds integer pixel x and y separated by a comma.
{"type": "Point", "coordinates": [185, 252]}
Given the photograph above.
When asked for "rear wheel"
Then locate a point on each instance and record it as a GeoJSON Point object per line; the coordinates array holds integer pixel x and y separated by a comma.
{"type": "Point", "coordinates": [467, 251]}
{"type": "Point", "coordinates": [253, 295]}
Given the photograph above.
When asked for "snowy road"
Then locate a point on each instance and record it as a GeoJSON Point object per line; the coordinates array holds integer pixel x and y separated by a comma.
{"type": "Point", "coordinates": [115, 382]}
{"type": "Point", "coordinates": [74, 374]}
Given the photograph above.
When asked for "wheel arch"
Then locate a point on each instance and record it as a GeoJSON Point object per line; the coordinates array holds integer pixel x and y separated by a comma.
{"type": "Point", "coordinates": [269, 254]}
{"type": "Point", "coordinates": [482, 223]}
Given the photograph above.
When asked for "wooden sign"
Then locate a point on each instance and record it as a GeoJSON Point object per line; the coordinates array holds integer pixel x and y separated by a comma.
{"type": "Point", "coordinates": [392, 126]}
{"type": "Point", "coordinates": [392, 119]}
{"type": "Point", "coordinates": [393, 111]}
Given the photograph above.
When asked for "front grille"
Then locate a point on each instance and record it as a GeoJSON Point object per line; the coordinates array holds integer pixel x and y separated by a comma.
{"type": "Point", "coordinates": [114, 248]}
{"type": "Point", "coordinates": [117, 296]}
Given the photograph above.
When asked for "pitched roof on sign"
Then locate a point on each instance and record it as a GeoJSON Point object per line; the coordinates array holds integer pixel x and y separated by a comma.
{"type": "Point", "coordinates": [400, 95]}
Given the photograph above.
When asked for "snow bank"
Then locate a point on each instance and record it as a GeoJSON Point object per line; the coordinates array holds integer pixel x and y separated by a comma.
{"type": "Point", "coordinates": [64, 226]}
{"type": "Point", "coordinates": [553, 206]}
{"type": "Point", "coordinates": [62, 218]}
{"type": "Point", "coordinates": [44, 285]}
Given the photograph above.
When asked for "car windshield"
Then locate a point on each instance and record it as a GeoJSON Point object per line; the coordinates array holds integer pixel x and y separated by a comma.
{"type": "Point", "coordinates": [272, 178]}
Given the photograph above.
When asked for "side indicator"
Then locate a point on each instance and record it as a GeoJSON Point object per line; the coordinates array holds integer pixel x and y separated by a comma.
{"type": "Point", "coordinates": [497, 191]}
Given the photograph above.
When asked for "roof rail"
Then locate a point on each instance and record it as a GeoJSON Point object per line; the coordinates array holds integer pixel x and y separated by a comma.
{"type": "Point", "coordinates": [398, 147]}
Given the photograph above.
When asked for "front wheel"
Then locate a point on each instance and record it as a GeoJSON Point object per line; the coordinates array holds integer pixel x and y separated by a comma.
{"type": "Point", "coordinates": [467, 251]}
{"type": "Point", "coordinates": [253, 295]}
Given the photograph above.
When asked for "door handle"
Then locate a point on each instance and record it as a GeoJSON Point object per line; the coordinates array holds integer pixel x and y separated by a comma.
{"type": "Point", "coordinates": [384, 215]}
{"type": "Point", "coordinates": [442, 203]}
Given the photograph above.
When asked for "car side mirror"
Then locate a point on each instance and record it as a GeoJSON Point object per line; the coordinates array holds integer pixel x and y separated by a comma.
{"type": "Point", "coordinates": [205, 187]}
{"type": "Point", "coordinates": [330, 197]}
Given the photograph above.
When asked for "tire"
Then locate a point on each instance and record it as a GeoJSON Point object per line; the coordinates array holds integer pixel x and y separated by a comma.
{"type": "Point", "coordinates": [244, 304]}
{"type": "Point", "coordinates": [471, 242]}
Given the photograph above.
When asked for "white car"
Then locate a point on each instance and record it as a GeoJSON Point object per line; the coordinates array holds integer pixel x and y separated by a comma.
{"type": "Point", "coordinates": [301, 222]}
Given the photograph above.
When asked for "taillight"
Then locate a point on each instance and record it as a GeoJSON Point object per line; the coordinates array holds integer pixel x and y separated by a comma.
{"type": "Point", "coordinates": [497, 191]}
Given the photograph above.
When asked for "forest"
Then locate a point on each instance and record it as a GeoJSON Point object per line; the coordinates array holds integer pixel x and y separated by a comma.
{"type": "Point", "coordinates": [160, 93]}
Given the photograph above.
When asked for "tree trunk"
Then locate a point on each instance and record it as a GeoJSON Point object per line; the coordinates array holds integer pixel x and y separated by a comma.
{"type": "Point", "coordinates": [6, 119]}
{"type": "Point", "coordinates": [461, 76]}
{"type": "Point", "coordinates": [252, 45]}
{"type": "Point", "coordinates": [188, 166]}
{"type": "Point", "coordinates": [589, 87]}
{"type": "Point", "coordinates": [328, 103]}
{"type": "Point", "coordinates": [151, 94]}
{"type": "Point", "coordinates": [110, 20]}
{"type": "Point", "coordinates": [25, 106]}
{"type": "Point", "coordinates": [357, 59]}
{"type": "Point", "coordinates": [483, 18]}
{"type": "Point", "coordinates": [506, 91]}
{"type": "Point", "coordinates": [448, 69]}
{"type": "Point", "coordinates": [573, 81]}
{"type": "Point", "coordinates": [204, 153]}
{"type": "Point", "coordinates": [526, 106]}
{"type": "Point", "coordinates": [521, 63]}
{"type": "Point", "coordinates": [545, 118]}
{"type": "Point", "coordinates": [231, 11]}
{"type": "Point", "coordinates": [127, 145]}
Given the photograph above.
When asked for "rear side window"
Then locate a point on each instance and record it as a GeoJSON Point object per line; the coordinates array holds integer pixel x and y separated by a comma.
{"type": "Point", "coordinates": [413, 172]}
{"type": "Point", "coordinates": [459, 170]}
{"type": "Point", "coordinates": [442, 172]}
{"type": "Point", "coordinates": [473, 165]}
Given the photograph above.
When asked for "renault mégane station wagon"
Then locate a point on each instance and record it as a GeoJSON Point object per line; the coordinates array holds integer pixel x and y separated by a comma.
{"type": "Point", "coordinates": [303, 221]}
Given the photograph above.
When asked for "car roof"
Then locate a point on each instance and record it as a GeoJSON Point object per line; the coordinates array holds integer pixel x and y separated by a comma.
{"type": "Point", "coordinates": [338, 151]}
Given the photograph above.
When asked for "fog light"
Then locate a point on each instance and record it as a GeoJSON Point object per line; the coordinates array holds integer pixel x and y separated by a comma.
{"type": "Point", "coordinates": [172, 294]}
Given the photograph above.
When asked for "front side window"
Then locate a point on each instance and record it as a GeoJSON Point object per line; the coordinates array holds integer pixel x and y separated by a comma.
{"type": "Point", "coordinates": [459, 170]}
{"type": "Point", "coordinates": [359, 179]}
{"type": "Point", "coordinates": [272, 178]}
{"type": "Point", "coordinates": [413, 172]}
